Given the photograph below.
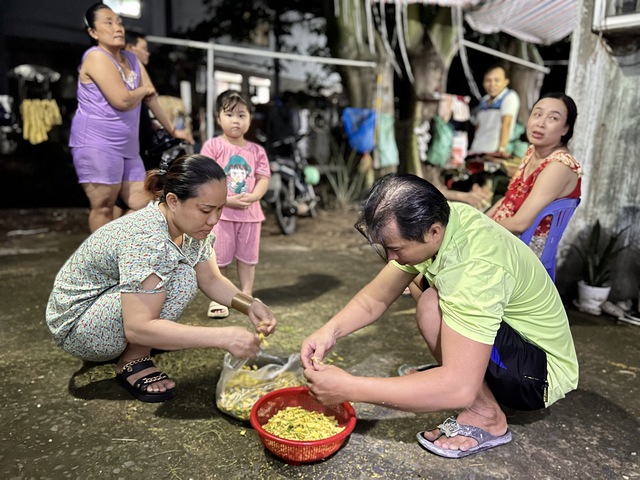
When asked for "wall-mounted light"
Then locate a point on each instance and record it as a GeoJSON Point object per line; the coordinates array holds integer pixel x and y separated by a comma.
{"type": "Point", "coordinates": [126, 8]}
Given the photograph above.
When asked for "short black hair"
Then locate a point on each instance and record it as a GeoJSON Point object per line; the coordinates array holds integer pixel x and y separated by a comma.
{"type": "Point", "coordinates": [183, 177]}
{"type": "Point", "coordinates": [132, 36]}
{"type": "Point", "coordinates": [90, 17]}
{"type": "Point", "coordinates": [496, 66]}
{"type": "Point", "coordinates": [228, 100]}
{"type": "Point", "coordinates": [572, 112]}
{"type": "Point", "coordinates": [412, 202]}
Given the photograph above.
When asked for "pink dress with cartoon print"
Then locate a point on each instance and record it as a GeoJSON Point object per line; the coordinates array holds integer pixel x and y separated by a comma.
{"type": "Point", "coordinates": [241, 164]}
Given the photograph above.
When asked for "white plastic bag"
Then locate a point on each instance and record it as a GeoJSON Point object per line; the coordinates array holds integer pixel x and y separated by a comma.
{"type": "Point", "coordinates": [241, 384]}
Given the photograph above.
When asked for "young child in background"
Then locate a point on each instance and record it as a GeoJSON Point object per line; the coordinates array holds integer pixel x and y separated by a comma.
{"type": "Point", "coordinates": [247, 168]}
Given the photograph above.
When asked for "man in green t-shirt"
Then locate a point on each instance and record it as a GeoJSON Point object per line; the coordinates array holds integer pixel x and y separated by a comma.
{"type": "Point", "coordinates": [490, 315]}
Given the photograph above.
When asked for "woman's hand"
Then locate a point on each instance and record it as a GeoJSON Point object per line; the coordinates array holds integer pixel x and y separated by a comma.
{"type": "Point", "coordinates": [183, 135]}
{"type": "Point", "coordinates": [262, 317]}
{"type": "Point", "coordinates": [242, 343]}
{"type": "Point", "coordinates": [494, 208]}
{"type": "Point", "coordinates": [239, 201]}
{"type": "Point", "coordinates": [149, 93]}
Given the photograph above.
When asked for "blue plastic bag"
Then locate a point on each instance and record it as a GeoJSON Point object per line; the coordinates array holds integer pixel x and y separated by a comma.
{"type": "Point", "coordinates": [360, 127]}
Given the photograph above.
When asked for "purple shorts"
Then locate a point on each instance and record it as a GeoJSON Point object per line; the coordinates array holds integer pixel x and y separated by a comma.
{"type": "Point", "coordinates": [97, 166]}
{"type": "Point", "coordinates": [237, 239]}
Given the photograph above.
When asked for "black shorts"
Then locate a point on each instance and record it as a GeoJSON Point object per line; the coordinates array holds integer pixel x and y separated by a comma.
{"type": "Point", "coordinates": [517, 371]}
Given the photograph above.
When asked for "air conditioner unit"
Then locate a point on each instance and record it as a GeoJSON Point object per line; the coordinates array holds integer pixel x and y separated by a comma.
{"type": "Point", "coordinates": [616, 17]}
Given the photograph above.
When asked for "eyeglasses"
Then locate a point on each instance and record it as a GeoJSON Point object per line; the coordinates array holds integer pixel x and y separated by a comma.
{"type": "Point", "coordinates": [377, 247]}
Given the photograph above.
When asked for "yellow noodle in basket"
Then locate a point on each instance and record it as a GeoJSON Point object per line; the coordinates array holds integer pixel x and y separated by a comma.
{"type": "Point", "coordinates": [296, 423]}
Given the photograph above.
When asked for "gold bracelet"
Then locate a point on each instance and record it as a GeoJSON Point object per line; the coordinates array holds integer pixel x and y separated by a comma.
{"type": "Point", "coordinates": [241, 302]}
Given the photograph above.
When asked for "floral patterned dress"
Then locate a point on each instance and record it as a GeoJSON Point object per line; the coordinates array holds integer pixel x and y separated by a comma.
{"type": "Point", "coordinates": [520, 188]}
{"type": "Point", "coordinates": [84, 312]}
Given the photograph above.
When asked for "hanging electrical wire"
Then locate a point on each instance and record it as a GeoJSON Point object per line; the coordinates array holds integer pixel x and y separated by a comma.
{"type": "Point", "coordinates": [380, 18]}
{"type": "Point", "coordinates": [369, 16]}
{"type": "Point", "coordinates": [357, 20]}
{"type": "Point", "coordinates": [402, 22]}
{"type": "Point", "coordinates": [456, 17]}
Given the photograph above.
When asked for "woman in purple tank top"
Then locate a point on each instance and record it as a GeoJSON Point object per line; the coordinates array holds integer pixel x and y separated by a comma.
{"type": "Point", "coordinates": [104, 132]}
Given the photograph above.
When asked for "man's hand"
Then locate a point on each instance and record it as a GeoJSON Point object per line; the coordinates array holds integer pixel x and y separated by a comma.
{"type": "Point", "coordinates": [316, 346]}
{"type": "Point", "coordinates": [328, 384]}
{"type": "Point", "coordinates": [478, 197]}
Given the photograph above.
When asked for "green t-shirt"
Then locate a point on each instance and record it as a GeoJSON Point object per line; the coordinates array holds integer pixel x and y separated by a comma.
{"type": "Point", "coordinates": [484, 274]}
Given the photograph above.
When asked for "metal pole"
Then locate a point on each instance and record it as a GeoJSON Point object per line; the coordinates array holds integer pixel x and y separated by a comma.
{"type": "Point", "coordinates": [506, 56]}
{"type": "Point", "coordinates": [211, 92]}
{"type": "Point", "coordinates": [210, 47]}
{"type": "Point", "coordinates": [259, 53]}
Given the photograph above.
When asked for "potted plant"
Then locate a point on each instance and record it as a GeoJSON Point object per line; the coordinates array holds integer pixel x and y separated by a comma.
{"type": "Point", "coordinates": [597, 253]}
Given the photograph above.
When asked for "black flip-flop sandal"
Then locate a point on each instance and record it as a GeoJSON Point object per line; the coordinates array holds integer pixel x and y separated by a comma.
{"type": "Point", "coordinates": [139, 389]}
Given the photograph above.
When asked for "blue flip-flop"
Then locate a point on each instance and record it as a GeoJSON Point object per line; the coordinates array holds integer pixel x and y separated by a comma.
{"type": "Point", "coordinates": [450, 427]}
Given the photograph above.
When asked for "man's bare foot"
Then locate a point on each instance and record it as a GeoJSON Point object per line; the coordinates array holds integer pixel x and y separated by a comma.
{"type": "Point", "coordinates": [495, 424]}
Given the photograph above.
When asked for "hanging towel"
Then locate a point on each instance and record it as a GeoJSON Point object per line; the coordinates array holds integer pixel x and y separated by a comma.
{"type": "Point", "coordinates": [38, 118]}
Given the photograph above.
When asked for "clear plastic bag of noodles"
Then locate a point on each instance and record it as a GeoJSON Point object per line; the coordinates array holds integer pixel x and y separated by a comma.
{"type": "Point", "coordinates": [241, 384]}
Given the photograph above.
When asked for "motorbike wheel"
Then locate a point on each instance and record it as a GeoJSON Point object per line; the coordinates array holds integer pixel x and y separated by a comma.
{"type": "Point", "coordinates": [285, 217]}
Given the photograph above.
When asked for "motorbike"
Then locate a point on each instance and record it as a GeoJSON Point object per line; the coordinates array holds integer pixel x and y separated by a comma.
{"type": "Point", "coordinates": [290, 192]}
{"type": "Point", "coordinates": [166, 148]}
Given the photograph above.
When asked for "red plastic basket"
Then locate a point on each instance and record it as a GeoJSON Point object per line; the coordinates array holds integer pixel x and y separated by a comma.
{"type": "Point", "coordinates": [297, 452]}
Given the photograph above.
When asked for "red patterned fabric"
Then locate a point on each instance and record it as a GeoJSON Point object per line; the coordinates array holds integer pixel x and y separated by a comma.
{"type": "Point", "coordinates": [520, 187]}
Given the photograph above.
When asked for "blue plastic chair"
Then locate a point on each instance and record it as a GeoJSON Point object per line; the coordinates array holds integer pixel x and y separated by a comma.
{"type": "Point", "coordinates": [562, 211]}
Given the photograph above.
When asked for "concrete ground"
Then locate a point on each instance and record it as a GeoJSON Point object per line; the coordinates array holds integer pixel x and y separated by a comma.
{"type": "Point", "coordinates": [60, 419]}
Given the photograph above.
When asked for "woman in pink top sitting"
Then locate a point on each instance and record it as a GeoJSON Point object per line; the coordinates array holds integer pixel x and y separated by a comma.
{"type": "Point", "coordinates": [548, 171]}
{"type": "Point", "coordinates": [104, 130]}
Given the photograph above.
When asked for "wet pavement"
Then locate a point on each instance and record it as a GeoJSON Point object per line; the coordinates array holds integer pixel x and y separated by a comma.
{"type": "Point", "coordinates": [60, 419]}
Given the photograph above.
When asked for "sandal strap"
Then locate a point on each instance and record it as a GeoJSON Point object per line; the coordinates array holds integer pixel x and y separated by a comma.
{"type": "Point", "coordinates": [136, 366]}
{"type": "Point", "coordinates": [147, 380]}
{"type": "Point", "coordinates": [451, 428]}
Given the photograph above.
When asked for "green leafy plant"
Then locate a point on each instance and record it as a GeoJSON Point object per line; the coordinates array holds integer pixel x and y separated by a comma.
{"type": "Point", "coordinates": [596, 259]}
{"type": "Point", "coordinates": [343, 175]}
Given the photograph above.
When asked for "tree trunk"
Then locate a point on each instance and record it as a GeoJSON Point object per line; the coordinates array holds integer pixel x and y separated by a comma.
{"type": "Point", "coordinates": [526, 81]}
{"type": "Point", "coordinates": [347, 41]}
{"type": "Point", "coordinates": [364, 87]}
{"type": "Point", "coordinates": [431, 48]}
